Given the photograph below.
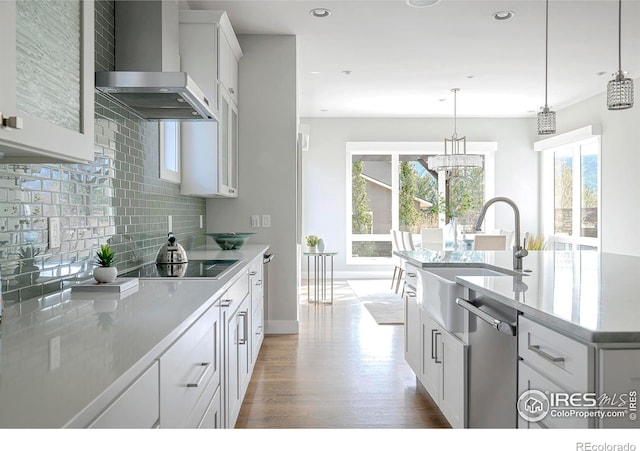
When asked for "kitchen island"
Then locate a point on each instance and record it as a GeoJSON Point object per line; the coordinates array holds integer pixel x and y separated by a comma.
{"type": "Point", "coordinates": [574, 328]}
{"type": "Point", "coordinates": [67, 357]}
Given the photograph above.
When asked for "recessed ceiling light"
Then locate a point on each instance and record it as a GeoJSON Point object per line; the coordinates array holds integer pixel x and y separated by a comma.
{"type": "Point", "coordinates": [442, 100]}
{"type": "Point", "coordinates": [422, 3]}
{"type": "Point", "coordinates": [471, 76]}
{"type": "Point", "coordinates": [346, 72]}
{"type": "Point", "coordinates": [324, 111]}
{"type": "Point", "coordinates": [320, 12]}
{"type": "Point", "coordinates": [315, 72]}
{"type": "Point", "coordinates": [601, 73]}
{"type": "Point", "coordinates": [503, 15]}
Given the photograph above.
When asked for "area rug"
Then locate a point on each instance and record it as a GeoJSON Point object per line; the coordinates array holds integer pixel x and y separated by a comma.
{"type": "Point", "coordinates": [379, 299]}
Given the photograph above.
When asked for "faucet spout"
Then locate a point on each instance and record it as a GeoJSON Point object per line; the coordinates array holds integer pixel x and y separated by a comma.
{"type": "Point", "coordinates": [518, 251]}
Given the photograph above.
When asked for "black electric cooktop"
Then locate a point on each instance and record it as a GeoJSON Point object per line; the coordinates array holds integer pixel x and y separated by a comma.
{"type": "Point", "coordinates": [212, 269]}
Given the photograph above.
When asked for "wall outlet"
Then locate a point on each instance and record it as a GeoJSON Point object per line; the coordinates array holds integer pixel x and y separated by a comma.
{"type": "Point", "coordinates": [55, 234]}
{"type": "Point", "coordinates": [266, 220]}
{"type": "Point", "coordinates": [255, 221]}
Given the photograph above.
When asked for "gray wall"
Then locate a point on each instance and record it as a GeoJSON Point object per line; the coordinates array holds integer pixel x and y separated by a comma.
{"type": "Point", "coordinates": [117, 198]}
{"type": "Point", "coordinates": [268, 167]}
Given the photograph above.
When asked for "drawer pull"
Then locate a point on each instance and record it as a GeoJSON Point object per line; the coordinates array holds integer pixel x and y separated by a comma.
{"type": "Point", "coordinates": [195, 384]}
{"type": "Point", "coordinates": [411, 294]}
{"type": "Point", "coordinates": [411, 274]}
{"type": "Point", "coordinates": [253, 273]}
{"type": "Point", "coordinates": [435, 342]}
{"type": "Point", "coordinates": [259, 282]}
{"type": "Point", "coordinates": [226, 302]}
{"type": "Point", "coordinates": [245, 338]}
{"type": "Point", "coordinates": [544, 355]}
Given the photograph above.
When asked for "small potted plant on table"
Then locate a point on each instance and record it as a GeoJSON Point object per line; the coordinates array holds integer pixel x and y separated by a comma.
{"type": "Point", "coordinates": [105, 272]}
{"type": "Point", "coordinates": [312, 243]}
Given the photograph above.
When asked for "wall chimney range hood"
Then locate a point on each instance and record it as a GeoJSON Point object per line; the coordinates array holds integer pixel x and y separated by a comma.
{"type": "Point", "coordinates": [147, 79]}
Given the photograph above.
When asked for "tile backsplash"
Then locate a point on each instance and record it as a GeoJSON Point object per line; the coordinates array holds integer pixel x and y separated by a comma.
{"type": "Point", "coordinates": [118, 199]}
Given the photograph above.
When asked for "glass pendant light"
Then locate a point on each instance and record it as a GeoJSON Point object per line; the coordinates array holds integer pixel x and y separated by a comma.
{"type": "Point", "coordinates": [546, 117]}
{"type": "Point", "coordinates": [455, 150]}
{"type": "Point", "coordinates": [620, 89]}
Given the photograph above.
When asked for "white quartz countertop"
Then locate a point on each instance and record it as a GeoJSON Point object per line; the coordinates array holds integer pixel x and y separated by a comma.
{"type": "Point", "coordinates": [585, 293]}
{"type": "Point", "coordinates": [65, 355]}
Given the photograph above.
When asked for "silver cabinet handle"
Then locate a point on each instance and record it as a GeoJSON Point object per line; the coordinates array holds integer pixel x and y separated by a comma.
{"type": "Point", "coordinates": [11, 121]}
{"type": "Point", "coordinates": [411, 294]}
{"type": "Point", "coordinates": [231, 91]}
{"type": "Point", "coordinates": [544, 355]}
{"type": "Point", "coordinates": [253, 273]}
{"type": "Point", "coordinates": [435, 342]}
{"type": "Point", "coordinates": [243, 340]}
{"type": "Point", "coordinates": [259, 330]}
{"type": "Point", "coordinates": [259, 282]}
{"type": "Point", "coordinates": [195, 384]}
{"type": "Point", "coordinates": [226, 302]}
{"type": "Point", "coordinates": [502, 326]}
{"type": "Point", "coordinates": [232, 190]}
{"type": "Point", "coordinates": [411, 274]}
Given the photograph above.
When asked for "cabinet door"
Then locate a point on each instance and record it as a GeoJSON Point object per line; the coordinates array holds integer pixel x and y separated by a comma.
{"type": "Point", "coordinates": [431, 356]}
{"type": "Point", "coordinates": [47, 79]}
{"type": "Point", "coordinates": [233, 150]}
{"type": "Point", "coordinates": [223, 151]}
{"type": "Point", "coordinates": [620, 377]}
{"type": "Point", "coordinates": [453, 382]}
{"type": "Point", "coordinates": [238, 366]}
{"type": "Point", "coordinates": [257, 326]}
{"type": "Point", "coordinates": [412, 335]}
{"type": "Point", "coordinates": [212, 418]}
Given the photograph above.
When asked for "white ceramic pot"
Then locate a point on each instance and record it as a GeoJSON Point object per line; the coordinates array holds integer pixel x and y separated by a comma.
{"type": "Point", "coordinates": [312, 249]}
{"type": "Point", "coordinates": [105, 274]}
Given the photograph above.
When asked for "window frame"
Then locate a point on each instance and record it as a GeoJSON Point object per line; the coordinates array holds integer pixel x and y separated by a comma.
{"type": "Point", "coordinates": [572, 142]}
{"type": "Point", "coordinates": [395, 149]}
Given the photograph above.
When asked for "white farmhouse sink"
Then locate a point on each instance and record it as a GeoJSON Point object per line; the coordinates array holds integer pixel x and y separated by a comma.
{"type": "Point", "coordinates": [440, 290]}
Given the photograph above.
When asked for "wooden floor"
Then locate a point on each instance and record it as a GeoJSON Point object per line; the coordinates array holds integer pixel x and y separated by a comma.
{"type": "Point", "coordinates": [341, 371]}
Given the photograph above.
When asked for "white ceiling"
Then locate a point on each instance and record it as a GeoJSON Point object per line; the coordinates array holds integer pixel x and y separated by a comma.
{"type": "Point", "coordinates": [405, 60]}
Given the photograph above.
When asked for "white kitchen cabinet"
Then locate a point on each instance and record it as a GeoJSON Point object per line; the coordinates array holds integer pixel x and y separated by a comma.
{"type": "Point", "coordinates": [209, 150]}
{"type": "Point", "coordinates": [412, 331]}
{"type": "Point", "coordinates": [619, 380]}
{"type": "Point", "coordinates": [212, 418]}
{"type": "Point", "coordinates": [137, 407]}
{"type": "Point", "coordinates": [257, 307]}
{"type": "Point", "coordinates": [444, 370]}
{"type": "Point", "coordinates": [236, 305]}
{"type": "Point", "coordinates": [190, 373]}
{"type": "Point", "coordinates": [47, 81]}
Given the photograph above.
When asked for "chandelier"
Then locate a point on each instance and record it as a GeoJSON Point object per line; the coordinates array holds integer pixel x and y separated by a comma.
{"type": "Point", "coordinates": [455, 150]}
{"type": "Point", "coordinates": [620, 89]}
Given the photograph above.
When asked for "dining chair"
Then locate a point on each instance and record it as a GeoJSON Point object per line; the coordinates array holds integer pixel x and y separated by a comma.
{"type": "Point", "coordinates": [432, 238]}
{"type": "Point", "coordinates": [397, 245]}
{"type": "Point", "coordinates": [407, 239]}
{"type": "Point", "coordinates": [483, 242]}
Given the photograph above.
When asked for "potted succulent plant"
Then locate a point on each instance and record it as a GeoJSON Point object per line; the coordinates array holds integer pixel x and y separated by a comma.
{"type": "Point", "coordinates": [312, 242]}
{"type": "Point", "coordinates": [105, 272]}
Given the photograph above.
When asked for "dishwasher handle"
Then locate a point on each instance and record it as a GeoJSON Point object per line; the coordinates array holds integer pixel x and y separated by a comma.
{"type": "Point", "coordinates": [502, 326]}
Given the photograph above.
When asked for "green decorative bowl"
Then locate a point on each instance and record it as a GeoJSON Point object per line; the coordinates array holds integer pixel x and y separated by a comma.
{"type": "Point", "coordinates": [231, 240]}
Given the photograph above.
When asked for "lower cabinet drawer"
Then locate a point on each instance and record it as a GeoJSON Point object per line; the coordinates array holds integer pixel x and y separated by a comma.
{"type": "Point", "coordinates": [556, 356]}
{"type": "Point", "coordinates": [189, 373]}
{"type": "Point", "coordinates": [137, 407]}
{"type": "Point", "coordinates": [558, 417]}
{"type": "Point", "coordinates": [258, 334]}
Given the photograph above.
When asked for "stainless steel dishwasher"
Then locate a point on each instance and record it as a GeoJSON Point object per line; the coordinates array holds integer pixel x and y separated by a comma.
{"type": "Point", "coordinates": [492, 363]}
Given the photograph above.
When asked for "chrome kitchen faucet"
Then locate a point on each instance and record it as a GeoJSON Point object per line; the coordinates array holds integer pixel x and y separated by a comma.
{"type": "Point", "coordinates": [519, 252]}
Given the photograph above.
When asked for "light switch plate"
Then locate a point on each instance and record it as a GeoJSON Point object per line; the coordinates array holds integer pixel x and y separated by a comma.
{"type": "Point", "coordinates": [170, 223]}
{"type": "Point", "coordinates": [266, 220]}
{"type": "Point", "coordinates": [55, 234]}
{"type": "Point", "coordinates": [255, 221]}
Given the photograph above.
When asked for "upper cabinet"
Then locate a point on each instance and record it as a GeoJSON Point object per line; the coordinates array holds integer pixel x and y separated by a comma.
{"type": "Point", "coordinates": [209, 51]}
{"type": "Point", "coordinates": [46, 81]}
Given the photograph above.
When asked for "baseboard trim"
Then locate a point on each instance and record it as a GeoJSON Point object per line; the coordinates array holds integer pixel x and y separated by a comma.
{"type": "Point", "coordinates": [280, 327]}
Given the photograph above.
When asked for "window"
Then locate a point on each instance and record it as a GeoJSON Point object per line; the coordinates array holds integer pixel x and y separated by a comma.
{"type": "Point", "coordinates": [391, 187]}
{"type": "Point", "coordinates": [571, 194]}
{"type": "Point", "coordinates": [170, 151]}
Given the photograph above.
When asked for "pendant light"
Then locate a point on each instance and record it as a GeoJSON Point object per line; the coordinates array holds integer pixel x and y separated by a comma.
{"type": "Point", "coordinates": [455, 150]}
{"type": "Point", "coordinates": [620, 89]}
{"type": "Point", "coordinates": [546, 117]}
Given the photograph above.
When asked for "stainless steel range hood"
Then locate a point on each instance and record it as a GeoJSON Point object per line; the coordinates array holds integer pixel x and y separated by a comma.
{"type": "Point", "coordinates": [147, 79]}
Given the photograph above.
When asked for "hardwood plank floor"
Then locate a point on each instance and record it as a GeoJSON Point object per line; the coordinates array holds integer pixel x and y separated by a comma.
{"type": "Point", "coordinates": [341, 371]}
